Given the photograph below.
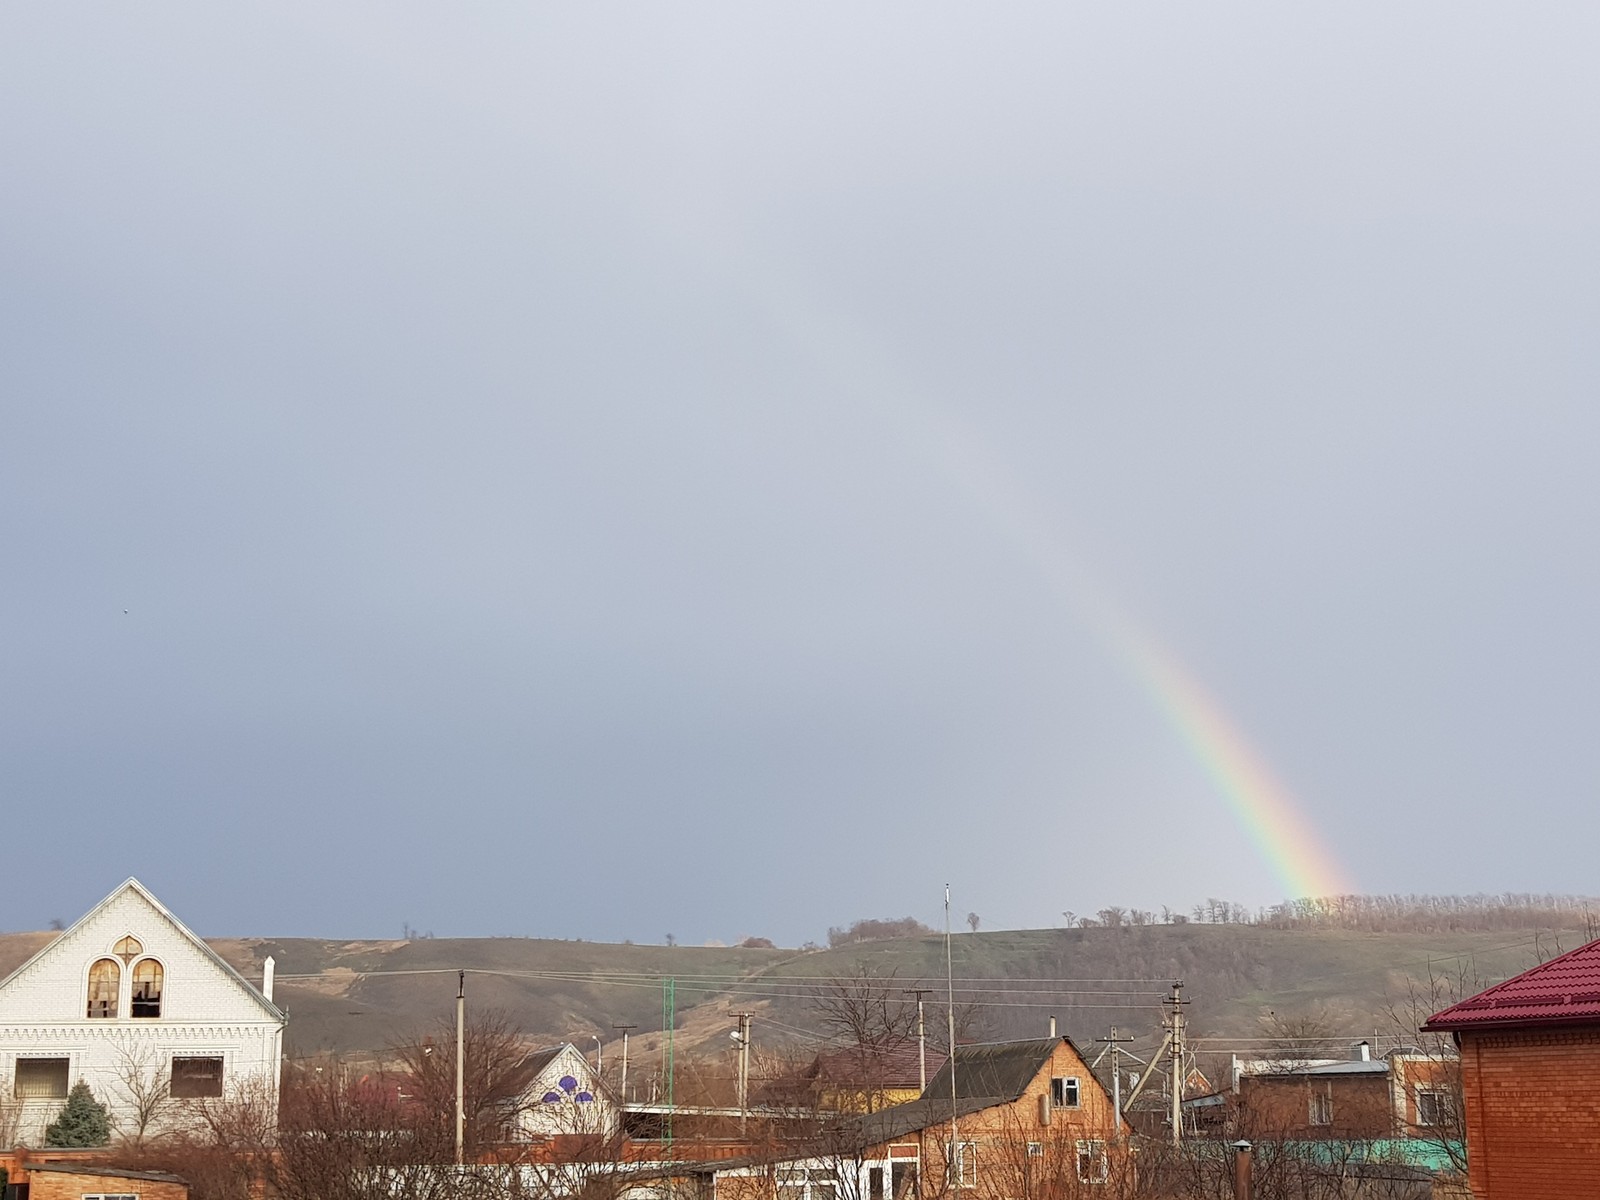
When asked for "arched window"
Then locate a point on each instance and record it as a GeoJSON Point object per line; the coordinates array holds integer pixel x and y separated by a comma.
{"type": "Point", "coordinates": [105, 981]}
{"type": "Point", "coordinates": [128, 949]}
{"type": "Point", "coordinates": [147, 979]}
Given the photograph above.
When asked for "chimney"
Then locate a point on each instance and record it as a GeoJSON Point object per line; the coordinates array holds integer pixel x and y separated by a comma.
{"type": "Point", "coordinates": [1052, 1027]}
{"type": "Point", "coordinates": [267, 969]}
{"type": "Point", "coordinates": [1363, 1052]}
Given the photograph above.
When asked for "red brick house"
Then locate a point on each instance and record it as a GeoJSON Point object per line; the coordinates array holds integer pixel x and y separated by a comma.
{"type": "Point", "coordinates": [1530, 1078]}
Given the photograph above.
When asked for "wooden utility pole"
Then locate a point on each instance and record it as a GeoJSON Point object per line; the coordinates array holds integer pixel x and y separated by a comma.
{"type": "Point", "coordinates": [922, 1037]}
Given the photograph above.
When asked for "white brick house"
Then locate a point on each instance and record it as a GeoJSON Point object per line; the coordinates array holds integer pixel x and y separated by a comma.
{"type": "Point", "coordinates": [135, 1005]}
{"type": "Point", "coordinates": [563, 1096]}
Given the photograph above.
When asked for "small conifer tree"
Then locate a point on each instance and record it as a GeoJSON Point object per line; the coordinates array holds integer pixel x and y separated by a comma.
{"type": "Point", "coordinates": [84, 1121]}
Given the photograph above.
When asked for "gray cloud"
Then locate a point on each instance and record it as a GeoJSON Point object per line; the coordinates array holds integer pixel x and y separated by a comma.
{"type": "Point", "coordinates": [535, 452]}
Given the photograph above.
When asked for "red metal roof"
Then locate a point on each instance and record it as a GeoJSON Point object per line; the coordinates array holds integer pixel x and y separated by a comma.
{"type": "Point", "coordinates": [1563, 991]}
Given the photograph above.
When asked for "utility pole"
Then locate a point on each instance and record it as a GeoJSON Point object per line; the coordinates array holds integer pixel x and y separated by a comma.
{"type": "Point", "coordinates": [623, 1089]}
{"type": "Point", "coordinates": [461, 1068]}
{"type": "Point", "coordinates": [922, 1037]}
{"type": "Point", "coordinates": [743, 1038]}
{"type": "Point", "coordinates": [1115, 1043]}
{"type": "Point", "coordinates": [1175, 1028]}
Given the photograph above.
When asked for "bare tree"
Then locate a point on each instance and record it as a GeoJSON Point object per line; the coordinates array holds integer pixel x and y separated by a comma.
{"type": "Point", "coordinates": [1427, 1065]}
{"type": "Point", "coordinates": [1297, 1038]}
{"type": "Point", "coordinates": [497, 1075]}
{"type": "Point", "coordinates": [865, 1008]}
{"type": "Point", "coordinates": [145, 1087]}
{"type": "Point", "coordinates": [10, 1120]}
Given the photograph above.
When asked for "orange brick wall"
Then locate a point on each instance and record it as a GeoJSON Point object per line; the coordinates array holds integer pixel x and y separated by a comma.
{"type": "Point", "coordinates": [1533, 1113]}
{"type": "Point", "coordinates": [63, 1185]}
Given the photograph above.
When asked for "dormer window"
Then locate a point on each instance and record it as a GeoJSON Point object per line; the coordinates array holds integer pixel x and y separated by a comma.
{"type": "Point", "coordinates": [105, 981]}
{"type": "Point", "coordinates": [147, 980]}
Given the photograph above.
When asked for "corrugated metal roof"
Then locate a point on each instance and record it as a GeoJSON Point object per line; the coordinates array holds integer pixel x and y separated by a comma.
{"type": "Point", "coordinates": [1563, 991]}
{"type": "Point", "coordinates": [1354, 1066]}
{"type": "Point", "coordinates": [1001, 1070]}
{"type": "Point", "coordinates": [872, 1129]}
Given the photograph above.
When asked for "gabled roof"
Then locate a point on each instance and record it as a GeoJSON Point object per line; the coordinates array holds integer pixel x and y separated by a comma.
{"type": "Point", "coordinates": [133, 885]}
{"type": "Point", "coordinates": [894, 1064]}
{"type": "Point", "coordinates": [1000, 1071]}
{"type": "Point", "coordinates": [537, 1060]}
{"type": "Point", "coordinates": [1563, 991]}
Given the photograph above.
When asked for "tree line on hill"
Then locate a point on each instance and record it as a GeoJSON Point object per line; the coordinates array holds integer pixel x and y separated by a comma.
{"type": "Point", "coordinates": [1479, 912]}
{"type": "Point", "coordinates": [1394, 913]}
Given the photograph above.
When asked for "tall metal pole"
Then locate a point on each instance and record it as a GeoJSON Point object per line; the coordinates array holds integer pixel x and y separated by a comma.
{"type": "Point", "coordinates": [950, 1015]}
{"type": "Point", "coordinates": [461, 1068]}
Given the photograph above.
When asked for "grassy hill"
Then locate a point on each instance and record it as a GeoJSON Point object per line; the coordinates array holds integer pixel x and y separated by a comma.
{"type": "Point", "coordinates": [356, 998]}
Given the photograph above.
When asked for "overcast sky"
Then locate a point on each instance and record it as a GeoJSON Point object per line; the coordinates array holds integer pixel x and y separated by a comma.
{"type": "Point", "coordinates": [602, 471]}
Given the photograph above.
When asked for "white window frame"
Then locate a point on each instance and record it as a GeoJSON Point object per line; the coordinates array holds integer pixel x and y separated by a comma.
{"type": "Point", "coordinates": [1321, 1108]}
{"type": "Point", "coordinates": [1060, 1086]}
{"type": "Point", "coordinates": [964, 1165]}
{"type": "Point", "coordinates": [187, 1055]}
{"type": "Point", "coordinates": [1094, 1150]}
{"type": "Point", "coordinates": [16, 1081]}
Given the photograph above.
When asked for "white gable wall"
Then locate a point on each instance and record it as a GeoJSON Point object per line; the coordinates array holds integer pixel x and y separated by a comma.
{"type": "Point", "coordinates": [566, 1113]}
{"type": "Point", "coordinates": [207, 1011]}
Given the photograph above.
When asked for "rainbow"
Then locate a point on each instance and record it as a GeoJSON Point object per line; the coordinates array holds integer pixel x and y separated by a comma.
{"type": "Point", "coordinates": [1261, 805]}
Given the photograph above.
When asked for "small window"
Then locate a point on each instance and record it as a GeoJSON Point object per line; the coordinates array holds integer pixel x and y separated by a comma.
{"type": "Point", "coordinates": [966, 1171]}
{"type": "Point", "coordinates": [196, 1078]}
{"type": "Point", "coordinates": [1322, 1108]}
{"type": "Point", "coordinates": [128, 949]}
{"type": "Point", "coordinates": [1093, 1166]}
{"type": "Point", "coordinates": [105, 981]}
{"type": "Point", "coordinates": [147, 980]}
{"type": "Point", "coordinates": [874, 1183]}
{"type": "Point", "coordinates": [42, 1078]}
{"type": "Point", "coordinates": [1035, 1149]}
{"type": "Point", "coordinates": [1064, 1092]}
{"type": "Point", "coordinates": [1434, 1108]}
